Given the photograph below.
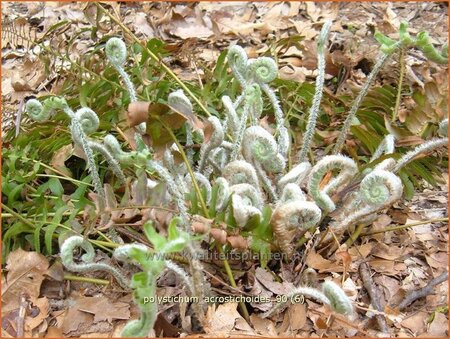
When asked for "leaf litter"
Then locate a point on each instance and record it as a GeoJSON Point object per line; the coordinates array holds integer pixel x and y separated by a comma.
{"type": "Point", "coordinates": [401, 261]}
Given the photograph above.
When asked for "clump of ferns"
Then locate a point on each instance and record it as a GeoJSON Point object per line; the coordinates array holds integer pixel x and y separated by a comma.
{"type": "Point", "coordinates": [242, 179]}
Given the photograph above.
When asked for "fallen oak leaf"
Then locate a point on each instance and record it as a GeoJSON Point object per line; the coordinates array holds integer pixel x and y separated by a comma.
{"type": "Point", "coordinates": [25, 274]}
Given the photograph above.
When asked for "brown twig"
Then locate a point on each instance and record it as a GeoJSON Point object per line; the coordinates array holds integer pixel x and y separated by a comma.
{"type": "Point", "coordinates": [422, 292]}
{"type": "Point", "coordinates": [374, 294]}
{"type": "Point", "coordinates": [23, 306]}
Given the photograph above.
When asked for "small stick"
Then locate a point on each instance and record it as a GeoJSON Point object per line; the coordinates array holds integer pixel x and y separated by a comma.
{"type": "Point", "coordinates": [374, 294]}
{"type": "Point", "coordinates": [422, 292]}
{"type": "Point", "coordinates": [23, 305]}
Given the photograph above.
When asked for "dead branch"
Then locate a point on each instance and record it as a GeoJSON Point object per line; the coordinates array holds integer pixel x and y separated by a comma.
{"type": "Point", "coordinates": [422, 292]}
{"type": "Point", "coordinates": [374, 294]}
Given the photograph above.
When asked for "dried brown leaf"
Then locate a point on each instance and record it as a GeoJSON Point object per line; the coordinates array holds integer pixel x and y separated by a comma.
{"type": "Point", "coordinates": [25, 274]}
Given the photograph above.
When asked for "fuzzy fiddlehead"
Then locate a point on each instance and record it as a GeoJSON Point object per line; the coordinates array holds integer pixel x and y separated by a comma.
{"type": "Point", "coordinates": [214, 142]}
{"type": "Point", "coordinates": [427, 146]}
{"type": "Point", "coordinates": [386, 146]}
{"type": "Point", "coordinates": [173, 188]}
{"type": "Point", "coordinates": [292, 192]}
{"type": "Point", "coordinates": [314, 110]}
{"type": "Point", "coordinates": [77, 131]}
{"type": "Point", "coordinates": [237, 59]}
{"type": "Point", "coordinates": [88, 120]}
{"type": "Point", "coordinates": [249, 95]}
{"type": "Point", "coordinates": [254, 102]}
{"type": "Point", "coordinates": [179, 101]}
{"type": "Point", "coordinates": [331, 295]}
{"type": "Point", "coordinates": [378, 190]}
{"type": "Point", "coordinates": [87, 264]}
{"type": "Point", "coordinates": [260, 146]}
{"type": "Point", "coordinates": [347, 168]}
{"type": "Point", "coordinates": [240, 172]}
{"type": "Point", "coordinates": [116, 52]}
{"type": "Point", "coordinates": [223, 193]}
{"type": "Point", "coordinates": [296, 175]}
{"type": "Point", "coordinates": [288, 217]}
{"type": "Point", "coordinates": [218, 158]}
{"type": "Point", "coordinates": [424, 44]}
{"type": "Point", "coordinates": [339, 301]}
{"type": "Point", "coordinates": [262, 70]}
{"type": "Point", "coordinates": [89, 123]}
{"type": "Point", "coordinates": [36, 111]}
{"type": "Point", "coordinates": [246, 202]}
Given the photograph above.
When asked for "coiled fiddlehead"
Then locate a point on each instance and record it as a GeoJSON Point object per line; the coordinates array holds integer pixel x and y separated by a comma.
{"type": "Point", "coordinates": [246, 202]}
{"type": "Point", "coordinates": [296, 175]}
{"type": "Point", "coordinates": [248, 102]}
{"type": "Point", "coordinates": [88, 120]}
{"type": "Point", "coordinates": [36, 111]}
{"type": "Point", "coordinates": [298, 214]}
{"type": "Point", "coordinates": [378, 190]}
{"type": "Point", "coordinates": [240, 172]}
{"type": "Point", "coordinates": [314, 110]}
{"type": "Point", "coordinates": [262, 70]}
{"type": "Point", "coordinates": [260, 146]}
{"type": "Point", "coordinates": [386, 146]}
{"type": "Point", "coordinates": [347, 168]}
{"type": "Point", "coordinates": [116, 52]}
{"type": "Point", "coordinates": [76, 129]}
{"type": "Point", "coordinates": [87, 264]}
{"type": "Point", "coordinates": [237, 59]}
{"type": "Point", "coordinates": [223, 193]}
{"type": "Point", "coordinates": [292, 192]}
{"type": "Point", "coordinates": [260, 149]}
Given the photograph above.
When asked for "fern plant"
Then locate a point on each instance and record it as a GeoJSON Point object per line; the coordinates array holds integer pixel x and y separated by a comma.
{"type": "Point", "coordinates": [242, 179]}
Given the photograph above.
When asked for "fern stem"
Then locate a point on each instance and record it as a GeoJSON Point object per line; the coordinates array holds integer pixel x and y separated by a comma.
{"type": "Point", "coordinates": [362, 93]}
{"type": "Point", "coordinates": [400, 84]}
{"type": "Point", "coordinates": [355, 235]}
{"type": "Point", "coordinates": [314, 111]}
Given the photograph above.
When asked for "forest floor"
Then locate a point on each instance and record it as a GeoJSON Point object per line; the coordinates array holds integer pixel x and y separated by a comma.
{"type": "Point", "coordinates": [401, 260]}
